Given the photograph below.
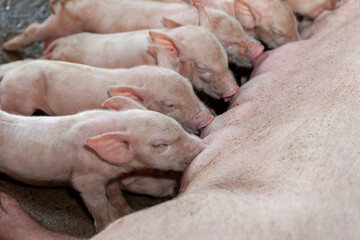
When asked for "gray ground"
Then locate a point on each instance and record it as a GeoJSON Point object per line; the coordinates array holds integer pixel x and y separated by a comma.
{"type": "Point", "coordinates": [59, 209]}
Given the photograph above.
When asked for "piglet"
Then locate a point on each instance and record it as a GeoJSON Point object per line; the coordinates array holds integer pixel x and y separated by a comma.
{"type": "Point", "coordinates": [91, 150]}
{"type": "Point", "coordinates": [59, 88]}
{"type": "Point", "coordinates": [271, 21]}
{"type": "Point", "coordinates": [192, 51]}
{"type": "Point", "coordinates": [240, 48]}
{"type": "Point", "coordinates": [311, 8]}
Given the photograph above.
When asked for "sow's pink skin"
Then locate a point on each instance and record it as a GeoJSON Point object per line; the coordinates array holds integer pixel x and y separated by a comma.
{"type": "Point", "coordinates": [282, 162]}
{"type": "Point", "coordinates": [59, 88]}
{"type": "Point", "coordinates": [192, 51]}
{"type": "Point", "coordinates": [92, 149]}
{"type": "Point", "coordinates": [271, 21]}
{"type": "Point", "coordinates": [111, 16]}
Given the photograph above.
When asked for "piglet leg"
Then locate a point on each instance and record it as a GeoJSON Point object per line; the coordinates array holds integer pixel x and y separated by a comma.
{"type": "Point", "coordinates": [117, 204]}
{"type": "Point", "coordinates": [16, 224]}
{"type": "Point", "coordinates": [54, 27]}
{"type": "Point", "coordinates": [93, 193]}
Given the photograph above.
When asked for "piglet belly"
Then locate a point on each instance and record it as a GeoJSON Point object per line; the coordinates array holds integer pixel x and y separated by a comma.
{"type": "Point", "coordinates": [35, 171]}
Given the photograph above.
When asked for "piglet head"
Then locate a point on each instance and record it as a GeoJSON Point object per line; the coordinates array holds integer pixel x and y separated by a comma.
{"type": "Point", "coordinates": [315, 8]}
{"type": "Point", "coordinates": [222, 85]}
{"type": "Point", "coordinates": [147, 140]}
{"type": "Point", "coordinates": [311, 9]}
{"type": "Point", "coordinates": [272, 22]}
{"type": "Point", "coordinates": [170, 94]}
{"type": "Point", "coordinates": [202, 59]}
{"type": "Point", "coordinates": [240, 48]}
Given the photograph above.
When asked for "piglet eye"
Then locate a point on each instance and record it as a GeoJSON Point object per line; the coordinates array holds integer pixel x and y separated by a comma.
{"type": "Point", "coordinates": [169, 106]}
{"type": "Point", "coordinates": [277, 32]}
{"type": "Point", "coordinates": [201, 67]}
{"type": "Point", "coordinates": [228, 48]}
{"type": "Point", "coordinates": [160, 145]}
{"type": "Point", "coordinates": [206, 77]}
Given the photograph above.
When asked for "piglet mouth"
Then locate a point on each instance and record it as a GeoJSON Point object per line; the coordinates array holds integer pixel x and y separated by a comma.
{"type": "Point", "coordinates": [190, 129]}
{"type": "Point", "coordinates": [261, 58]}
{"type": "Point", "coordinates": [241, 61]}
{"type": "Point", "coordinates": [212, 93]}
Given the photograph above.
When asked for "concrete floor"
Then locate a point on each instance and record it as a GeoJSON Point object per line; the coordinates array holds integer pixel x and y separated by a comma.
{"type": "Point", "coordinates": [59, 209]}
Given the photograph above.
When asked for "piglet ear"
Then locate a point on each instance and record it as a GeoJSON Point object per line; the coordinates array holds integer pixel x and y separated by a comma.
{"type": "Point", "coordinates": [112, 147]}
{"type": "Point", "coordinates": [248, 16]}
{"type": "Point", "coordinates": [122, 103]}
{"type": "Point", "coordinates": [204, 20]}
{"type": "Point", "coordinates": [163, 60]}
{"type": "Point", "coordinates": [202, 2]}
{"type": "Point", "coordinates": [170, 23]}
{"type": "Point", "coordinates": [134, 93]}
{"type": "Point", "coordinates": [228, 8]}
{"type": "Point", "coordinates": [172, 47]}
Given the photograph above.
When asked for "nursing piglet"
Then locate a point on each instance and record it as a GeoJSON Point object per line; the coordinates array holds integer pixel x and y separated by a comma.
{"type": "Point", "coordinates": [192, 51]}
{"type": "Point", "coordinates": [60, 88]}
{"type": "Point", "coordinates": [165, 185]}
{"type": "Point", "coordinates": [271, 21]}
{"type": "Point", "coordinates": [240, 48]}
{"type": "Point", "coordinates": [311, 8]}
{"type": "Point", "coordinates": [91, 150]}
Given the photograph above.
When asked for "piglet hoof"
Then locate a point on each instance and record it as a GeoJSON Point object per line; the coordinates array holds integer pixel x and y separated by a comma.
{"type": "Point", "coordinates": [126, 210]}
{"type": "Point", "coordinates": [15, 222]}
{"type": "Point", "coordinates": [116, 213]}
{"type": "Point", "coordinates": [8, 46]}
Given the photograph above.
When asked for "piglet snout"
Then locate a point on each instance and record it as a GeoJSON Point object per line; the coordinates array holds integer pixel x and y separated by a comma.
{"type": "Point", "coordinates": [228, 96]}
{"type": "Point", "coordinates": [205, 119]}
{"type": "Point", "coordinates": [196, 145]}
{"type": "Point", "coordinates": [255, 50]}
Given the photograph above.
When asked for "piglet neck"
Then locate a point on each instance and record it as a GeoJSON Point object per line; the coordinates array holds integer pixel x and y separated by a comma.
{"type": "Point", "coordinates": [185, 70]}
